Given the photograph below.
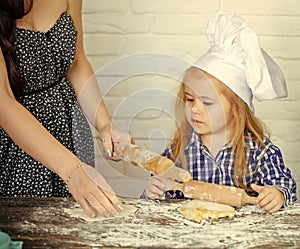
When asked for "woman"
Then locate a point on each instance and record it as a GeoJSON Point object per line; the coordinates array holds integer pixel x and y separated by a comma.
{"type": "Point", "coordinates": [44, 137]}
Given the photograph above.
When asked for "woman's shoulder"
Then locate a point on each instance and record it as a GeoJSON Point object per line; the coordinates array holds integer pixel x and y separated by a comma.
{"type": "Point", "coordinates": [74, 9]}
{"type": "Point", "coordinates": [73, 5]}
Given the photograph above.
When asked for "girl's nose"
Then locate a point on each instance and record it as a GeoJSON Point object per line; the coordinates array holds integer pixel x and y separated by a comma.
{"type": "Point", "coordinates": [197, 107]}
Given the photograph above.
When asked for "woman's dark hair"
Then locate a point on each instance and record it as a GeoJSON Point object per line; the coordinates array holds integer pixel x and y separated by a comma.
{"type": "Point", "coordinates": [10, 10]}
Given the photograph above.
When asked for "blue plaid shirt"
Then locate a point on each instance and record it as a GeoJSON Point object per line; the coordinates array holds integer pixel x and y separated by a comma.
{"type": "Point", "coordinates": [265, 167]}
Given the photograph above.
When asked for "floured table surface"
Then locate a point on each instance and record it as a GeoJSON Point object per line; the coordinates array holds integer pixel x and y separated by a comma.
{"type": "Point", "coordinates": [42, 223]}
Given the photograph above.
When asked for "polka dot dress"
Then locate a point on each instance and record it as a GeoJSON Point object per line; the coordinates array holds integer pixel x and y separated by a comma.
{"type": "Point", "coordinates": [43, 59]}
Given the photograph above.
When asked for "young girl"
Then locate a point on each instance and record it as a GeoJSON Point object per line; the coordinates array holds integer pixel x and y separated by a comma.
{"type": "Point", "coordinates": [45, 138]}
{"type": "Point", "coordinates": [218, 138]}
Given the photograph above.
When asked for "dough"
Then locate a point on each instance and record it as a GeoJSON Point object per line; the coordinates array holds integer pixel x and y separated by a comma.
{"type": "Point", "coordinates": [79, 213]}
{"type": "Point", "coordinates": [196, 210]}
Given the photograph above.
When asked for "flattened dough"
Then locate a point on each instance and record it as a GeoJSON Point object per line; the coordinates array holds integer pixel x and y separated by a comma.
{"type": "Point", "coordinates": [196, 210]}
{"type": "Point", "coordinates": [79, 213]}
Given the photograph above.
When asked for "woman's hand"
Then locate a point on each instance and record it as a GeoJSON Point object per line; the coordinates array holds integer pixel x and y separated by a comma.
{"type": "Point", "coordinates": [110, 135]}
{"type": "Point", "coordinates": [93, 193]}
{"type": "Point", "coordinates": [270, 199]}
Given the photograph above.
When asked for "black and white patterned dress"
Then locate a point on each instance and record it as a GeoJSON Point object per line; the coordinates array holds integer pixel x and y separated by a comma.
{"type": "Point", "coordinates": [43, 60]}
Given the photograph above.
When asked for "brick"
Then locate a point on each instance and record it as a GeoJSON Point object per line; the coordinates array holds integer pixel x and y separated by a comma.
{"type": "Point", "coordinates": [174, 6]}
{"type": "Point", "coordinates": [100, 61]}
{"type": "Point", "coordinates": [143, 128]}
{"type": "Point", "coordinates": [103, 44]}
{"type": "Point", "coordinates": [99, 6]}
{"type": "Point", "coordinates": [179, 24]}
{"type": "Point", "coordinates": [186, 47]}
{"type": "Point", "coordinates": [281, 47]}
{"type": "Point", "coordinates": [285, 130]}
{"type": "Point", "coordinates": [132, 105]}
{"type": "Point", "coordinates": [111, 88]}
{"type": "Point", "coordinates": [117, 23]}
{"type": "Point", "coordinates": [267, 7]}
{"type": "Point", "coordinates": [148, 81]}
{"type": "Point", "coordinates": [289, 150]}
{"type": "Point", "coordinates": [274, 25]}
{"type": "Point", "coordinates": [277, 109]}
{"type": "Point", "coordinates": [291, 72]}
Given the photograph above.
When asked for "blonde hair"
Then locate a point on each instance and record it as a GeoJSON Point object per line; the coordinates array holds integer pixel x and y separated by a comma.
{"type": "Point", "coordinates": [243, 120]}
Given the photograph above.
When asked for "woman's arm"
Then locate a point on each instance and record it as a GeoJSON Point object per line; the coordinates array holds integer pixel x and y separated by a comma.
{"type": "Point", "coordinates": [82, 77]}
{"type": "Point", "coordinates": [35, 140]}
{"type": "Point", "coordinates": [28, 133]}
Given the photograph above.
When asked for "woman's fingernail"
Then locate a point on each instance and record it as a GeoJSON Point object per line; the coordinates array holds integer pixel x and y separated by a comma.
{"type": "Point", "coordinates": [120, 207]}
{"type": "Point", "coordinates": [106, 215]}
{"type": "Point", "coordinates": [93, 215]}
{"type": "Point", "coordinates": [114, 214]}
{"type": "Point", "coordinates": [109, 152]}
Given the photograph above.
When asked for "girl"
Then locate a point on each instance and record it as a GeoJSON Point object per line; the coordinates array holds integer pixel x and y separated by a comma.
{"type": "Point", "coordinates": [44, 134]}
{"type": "Point", "coordinates": [218, 138]}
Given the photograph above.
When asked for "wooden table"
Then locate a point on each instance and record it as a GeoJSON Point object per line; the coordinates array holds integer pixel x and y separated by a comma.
{"type": "Point", "coordinates": [43, 223]}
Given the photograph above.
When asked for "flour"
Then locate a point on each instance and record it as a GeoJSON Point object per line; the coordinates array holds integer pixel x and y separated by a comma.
{"type": "Point", "coordinates": [77, 212]}
{"type": "Point", "coordinates": [161, 225]}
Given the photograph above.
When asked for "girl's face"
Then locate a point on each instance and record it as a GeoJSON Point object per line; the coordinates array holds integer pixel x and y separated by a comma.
{"type": "Point", "coordinates": [207, 109]}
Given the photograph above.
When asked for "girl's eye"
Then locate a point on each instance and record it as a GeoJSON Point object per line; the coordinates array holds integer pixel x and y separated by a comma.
{"type": "Point", "coordinates": [207, 103]}
{"type": "Point", "coordinates": [189, 99]}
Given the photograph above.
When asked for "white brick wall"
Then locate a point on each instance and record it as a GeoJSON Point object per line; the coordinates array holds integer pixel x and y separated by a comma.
{"type": "Point", "coordinates": [117, 28]}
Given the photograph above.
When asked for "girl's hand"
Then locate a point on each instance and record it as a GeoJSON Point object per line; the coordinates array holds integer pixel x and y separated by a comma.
{"type": "Point", "coordinates": [156, 187]}
{"type": "Point", "coordinates": [270, 199]}
{"type": "Point", "coordinates": [93, 193]}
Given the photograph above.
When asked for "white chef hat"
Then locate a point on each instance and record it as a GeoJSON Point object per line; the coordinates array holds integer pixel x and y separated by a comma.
{"type": "Point", "coordinates": [236, 58]}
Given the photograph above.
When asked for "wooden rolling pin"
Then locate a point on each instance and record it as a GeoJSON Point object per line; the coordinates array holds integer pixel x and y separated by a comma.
{"type": "Point", "coordinates": [151, 162]}
{"type": "Point", "coordinates": [204, 191]}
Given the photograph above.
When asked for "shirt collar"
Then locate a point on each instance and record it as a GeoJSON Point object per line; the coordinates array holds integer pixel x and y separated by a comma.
{"type": "Point", "coordinates": [249, 141]}
{"type": "Point", "coordinates": [194, 139]}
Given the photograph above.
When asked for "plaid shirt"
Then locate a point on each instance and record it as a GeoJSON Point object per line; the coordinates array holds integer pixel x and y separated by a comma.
{"type": "Point", "coordinates": [265, 167]}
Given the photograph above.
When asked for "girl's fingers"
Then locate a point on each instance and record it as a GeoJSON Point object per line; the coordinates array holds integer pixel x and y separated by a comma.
{"type": "Point", "coordinates": [154, 192]}
{"type": "Point", "coordinates": [157, 181]}
{"type": "Point", "coordinates": [156, 187]}
{"type": "Point", "coordinates": [266, 206]}
{"type": "Point", "coordinates": [264, 199]}
{"type": "Point", "coordinates": [275, 208]}
{"type": "Point", "coordinates": [270, 199]}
